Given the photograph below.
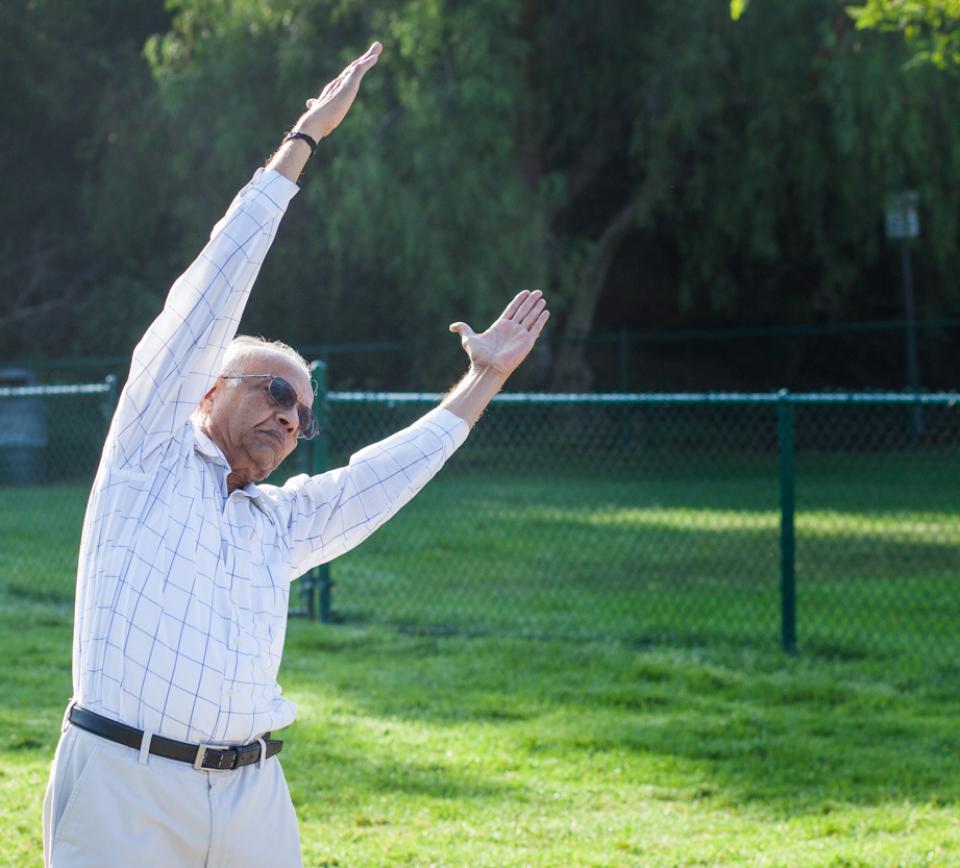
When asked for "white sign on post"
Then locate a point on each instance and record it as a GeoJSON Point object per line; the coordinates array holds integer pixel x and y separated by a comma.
{"type": "Point", "coordinates": [902, 218]}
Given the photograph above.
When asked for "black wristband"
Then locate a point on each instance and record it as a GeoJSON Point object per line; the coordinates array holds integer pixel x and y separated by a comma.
{"type": "Point", "coordinates": [299, 134]}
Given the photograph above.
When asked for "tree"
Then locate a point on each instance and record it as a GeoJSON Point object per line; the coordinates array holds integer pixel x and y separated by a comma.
{"type": "Point", "coordinates": [499, 145]}
{"type": "Point", "coordinates": [932, 27]}
{"type": "Point", "coordinates": [59, 60]}
{"type": "Point", "coordinates": [768, 147]}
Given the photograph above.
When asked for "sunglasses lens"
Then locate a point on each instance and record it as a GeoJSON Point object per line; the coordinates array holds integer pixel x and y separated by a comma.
{"type": "Point", "coordinates": [309, 428]}
{"type": "Point", "coordinates": [282, 392]}
{"type": "Point", "coordinates": [286, 396]}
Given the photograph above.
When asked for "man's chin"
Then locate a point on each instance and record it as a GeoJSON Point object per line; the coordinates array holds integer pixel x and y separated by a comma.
{"type": "Point", "coordinates": [265, 460]}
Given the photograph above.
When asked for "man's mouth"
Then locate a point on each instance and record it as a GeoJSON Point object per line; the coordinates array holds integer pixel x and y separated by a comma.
{"type": "Point", "coordinates": [274, 436]}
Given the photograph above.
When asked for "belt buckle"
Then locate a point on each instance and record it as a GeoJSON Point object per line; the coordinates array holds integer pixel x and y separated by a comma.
{"type": "Point", "coordinates": [202, 755]}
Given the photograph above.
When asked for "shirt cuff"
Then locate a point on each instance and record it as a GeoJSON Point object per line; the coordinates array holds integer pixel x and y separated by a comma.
{"type": "Point", "coordinates": [451, 429]}
{"type": "Point", "coordinates": [277, 188]}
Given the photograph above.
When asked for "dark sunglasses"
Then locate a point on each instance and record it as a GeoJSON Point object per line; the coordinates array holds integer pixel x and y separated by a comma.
{"type": "Point", "coordinates": [286, 396]}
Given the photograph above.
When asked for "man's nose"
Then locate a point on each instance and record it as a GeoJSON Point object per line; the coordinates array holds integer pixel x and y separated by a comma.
{"type": "Point", "coordinates": [289, 418]}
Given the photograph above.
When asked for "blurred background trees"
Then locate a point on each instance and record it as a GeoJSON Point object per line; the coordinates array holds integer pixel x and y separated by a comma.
{"type": "Point", "coordinates": [650, 165]}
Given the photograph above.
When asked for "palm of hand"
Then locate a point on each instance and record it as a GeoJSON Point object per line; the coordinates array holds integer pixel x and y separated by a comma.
{"type": "Point", "coordinates": [507, 342]}
{"type": "Point", "coordinates": [502, 346]}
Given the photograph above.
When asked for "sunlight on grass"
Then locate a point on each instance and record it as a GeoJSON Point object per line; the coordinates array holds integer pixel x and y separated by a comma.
{"type": "Point", "coordinates": [928, 528]}
{"type": "Point", "coordinates": [905, 527]}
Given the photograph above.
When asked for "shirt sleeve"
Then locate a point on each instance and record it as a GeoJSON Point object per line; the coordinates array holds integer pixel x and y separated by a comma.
{"type": "Point", "coordinates": [179, 357]}
{"type": "Point", "coordinates": [331, 513]}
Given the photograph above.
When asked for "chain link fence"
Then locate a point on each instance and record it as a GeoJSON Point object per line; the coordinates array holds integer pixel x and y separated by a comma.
{"type": "Point", "coordinates": [829, 523]}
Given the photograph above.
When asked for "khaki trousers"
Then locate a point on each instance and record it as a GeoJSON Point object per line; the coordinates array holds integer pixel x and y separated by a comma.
{"type": "Point", "coordinates": [106, 805]}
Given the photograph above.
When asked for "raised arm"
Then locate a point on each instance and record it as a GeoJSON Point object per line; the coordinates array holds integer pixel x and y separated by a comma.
{"type": "Point", "coordinates": [179, 357]}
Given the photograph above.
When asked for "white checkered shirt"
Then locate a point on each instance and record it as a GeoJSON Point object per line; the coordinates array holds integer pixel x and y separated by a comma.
{"type": "Point", "coordinates": [182, 589]}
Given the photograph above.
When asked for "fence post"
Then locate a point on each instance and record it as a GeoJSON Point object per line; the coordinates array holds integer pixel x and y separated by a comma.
{"type": "Point", "coordinates": [788, 589]}
{"type": "Point", "coordinates": [319, 462]}
{"type": "Point", "coordinates": [109, 404]}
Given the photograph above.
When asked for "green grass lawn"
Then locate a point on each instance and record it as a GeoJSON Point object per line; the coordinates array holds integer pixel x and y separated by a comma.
{"type": "Point", "coordinates": [429, 750]}
{"type": "Point", "coordinates": [500, 727]}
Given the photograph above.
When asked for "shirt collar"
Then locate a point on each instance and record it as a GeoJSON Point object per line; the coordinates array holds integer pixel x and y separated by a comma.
{"type": "Point", "coordinates": [208, 449]}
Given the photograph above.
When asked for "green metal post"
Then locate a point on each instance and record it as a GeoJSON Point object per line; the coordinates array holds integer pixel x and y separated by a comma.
{"type": "Point", "coordinates": [109, 405]}
{"type": "Point", "coordinates": [788, 588]}
{"type": "Point", "coordinates": [913, 366]}
{"type": "Point", "coordinates": [320, 461]}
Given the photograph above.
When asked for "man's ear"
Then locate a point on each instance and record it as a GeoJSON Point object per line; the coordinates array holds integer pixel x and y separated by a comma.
{"type": "Point", "coordinates": [206, 402]}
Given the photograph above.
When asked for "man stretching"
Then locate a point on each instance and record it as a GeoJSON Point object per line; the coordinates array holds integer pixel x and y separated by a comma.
{"type": "Point", "coordinates": [166, 756]}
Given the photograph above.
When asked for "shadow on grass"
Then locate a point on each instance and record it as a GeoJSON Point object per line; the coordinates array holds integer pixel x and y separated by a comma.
{"type": "Point", "coordinates": [781, 735]}
{"type": "Point", "coordinates": [381, 770]}
{"type": "Point", "coordinates": [778, 735]}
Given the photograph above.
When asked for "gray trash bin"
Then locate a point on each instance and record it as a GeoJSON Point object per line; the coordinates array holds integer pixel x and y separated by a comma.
{"type": "Point", "coordinates": [23, 430]}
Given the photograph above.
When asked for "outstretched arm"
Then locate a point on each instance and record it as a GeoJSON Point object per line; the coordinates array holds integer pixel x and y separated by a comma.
{"type": "Point", "coordinates": [332, 512]}
{"type": "Point", "coordinates": [496, 353]}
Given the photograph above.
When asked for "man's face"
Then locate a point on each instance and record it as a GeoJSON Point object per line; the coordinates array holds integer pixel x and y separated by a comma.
{"type": "Point", "coordinates": [254, 431]}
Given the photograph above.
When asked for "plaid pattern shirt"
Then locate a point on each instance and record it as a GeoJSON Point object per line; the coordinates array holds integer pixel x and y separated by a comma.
{"type": "Point", "coordinates": [182, 588]}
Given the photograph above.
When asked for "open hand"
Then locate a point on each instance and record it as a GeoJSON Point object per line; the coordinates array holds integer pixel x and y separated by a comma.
{"type": "Point", "coordinates": [508, 341]}
{"type": "Point", "coordinates": [325, 112]}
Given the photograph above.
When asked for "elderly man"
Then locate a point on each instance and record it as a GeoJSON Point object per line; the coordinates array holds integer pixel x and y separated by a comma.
{"type": "Point", "coordinates": [166, 756]}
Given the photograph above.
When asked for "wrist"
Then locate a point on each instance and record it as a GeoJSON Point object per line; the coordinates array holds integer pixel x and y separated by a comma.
{"type": "Point", "coordinates": [469, 398]}
{"type": "Point", "coordinates": [488, 373]}
{"type": "Point", "coordinates": [315, 132]}
{"type": "Point", "coordinates": [302, 138]}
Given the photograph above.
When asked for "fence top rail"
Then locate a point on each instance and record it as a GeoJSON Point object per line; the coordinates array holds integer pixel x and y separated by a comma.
{"type": "Point", "coordinates": [910, 398]}
{"type": "Point", "coordinates": [64, 389]}
{"type": "Point", "coordinates": [947, 398]}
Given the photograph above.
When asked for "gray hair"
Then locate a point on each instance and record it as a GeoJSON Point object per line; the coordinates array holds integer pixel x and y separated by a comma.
{"type": "Point", "coordinates": [244, 347]}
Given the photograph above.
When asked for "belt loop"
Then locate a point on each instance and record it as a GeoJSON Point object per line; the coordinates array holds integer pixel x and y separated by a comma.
{"type": "Point", "coordinates": [263, 753]}
{"type": "Point", "coordinates": [66, 715]}
{"type": "Point", "coordinates": [145, 746]}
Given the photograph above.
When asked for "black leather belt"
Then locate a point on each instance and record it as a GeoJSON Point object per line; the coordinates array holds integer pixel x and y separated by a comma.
{"type": "Point", "coordinates": [205, 757]}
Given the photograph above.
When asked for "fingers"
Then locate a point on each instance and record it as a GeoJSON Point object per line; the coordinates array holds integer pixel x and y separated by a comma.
{"type": "Point", "coordinates": [354, 70]}
{"type": "Point", "coordinates": [534, 313]}
{"type": "Point", "coordinates": [511, 308]}
{"type": "Point", "coordinates": [528, 309]}
{"type": "Point", "coordinates": [370, 57]}
{"type": "Point", "coordinates": [358, 69]}
{"type": "Point", "coordinates": [541, 321]}
{"type": "Point", "coordinates": [526, 306]}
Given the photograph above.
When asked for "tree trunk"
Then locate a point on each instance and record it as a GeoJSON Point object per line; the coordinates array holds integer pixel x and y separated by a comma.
{"type": "Point", "coordinates": [571, 373]}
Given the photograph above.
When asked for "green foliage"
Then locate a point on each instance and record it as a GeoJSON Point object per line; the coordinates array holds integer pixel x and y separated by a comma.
{"type": "Point", "coordinates": [932, 27]}
{"type": "Point", "coordinates": [492, 148]}
{"type": "Point", "coordinates": [62, 64]}
{"type": "Point", "coordinates": [737, 8]}
{"type": "Point", "coordinates": [813, 124]}
{"type": "Point", "coordinates": [413, 212]}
